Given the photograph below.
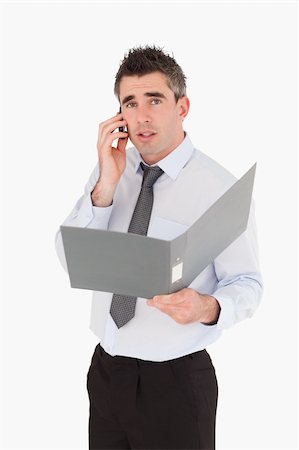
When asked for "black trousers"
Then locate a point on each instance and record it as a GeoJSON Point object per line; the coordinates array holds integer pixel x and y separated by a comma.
{"type": "Point", "coordinates": [136, 404]}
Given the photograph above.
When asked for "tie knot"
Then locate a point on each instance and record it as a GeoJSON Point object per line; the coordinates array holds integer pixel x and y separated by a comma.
{"type": "Point", "coordinates": [150, 175]}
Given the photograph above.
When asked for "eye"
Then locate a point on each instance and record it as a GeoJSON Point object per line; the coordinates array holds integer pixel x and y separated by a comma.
{"type": "Point", "coordinates": [155, 101]}
{"type": "Point", "coordinates": [130, 105]}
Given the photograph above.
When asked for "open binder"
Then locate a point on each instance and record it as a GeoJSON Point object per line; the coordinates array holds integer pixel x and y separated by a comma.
{"type": "Point", "coordinates": [142, 266]}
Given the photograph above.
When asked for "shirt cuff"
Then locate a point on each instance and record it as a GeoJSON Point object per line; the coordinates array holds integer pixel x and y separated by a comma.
{"type": "Point", "coordinates": [227, 311]}
{"type": "Point", "coordinates": [101, 216]}
{"type": "Point", "coordinates": [88, 216]}
{"type": "Point", "coordinates": [237, 302]}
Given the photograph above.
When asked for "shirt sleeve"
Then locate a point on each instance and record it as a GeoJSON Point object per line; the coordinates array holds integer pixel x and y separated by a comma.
{"type": "Point", "coordinates": [84, 215]}
{"type": "Point", "coordinates": [240, 285]}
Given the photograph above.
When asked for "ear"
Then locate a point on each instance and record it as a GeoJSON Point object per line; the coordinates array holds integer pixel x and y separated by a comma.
{"type": "Point", "coordinates": [184, 105]}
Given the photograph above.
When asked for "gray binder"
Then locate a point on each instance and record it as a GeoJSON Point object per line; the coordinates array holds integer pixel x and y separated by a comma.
{"type": "Point", "coordinates": [142, 266]}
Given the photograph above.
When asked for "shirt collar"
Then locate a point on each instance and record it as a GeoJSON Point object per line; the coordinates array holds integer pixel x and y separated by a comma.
{"type": "Point", "coordinates": [173, 163]}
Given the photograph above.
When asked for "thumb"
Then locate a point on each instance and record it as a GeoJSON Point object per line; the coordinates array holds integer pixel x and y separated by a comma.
{"type": "Point", "coordinates": [121, 144]}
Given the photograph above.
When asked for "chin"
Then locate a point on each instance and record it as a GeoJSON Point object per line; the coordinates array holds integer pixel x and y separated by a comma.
{"type": "Point", "coordinates": [144, 150]}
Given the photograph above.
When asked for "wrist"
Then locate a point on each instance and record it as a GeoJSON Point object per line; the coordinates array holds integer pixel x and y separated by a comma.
{"type": "Point", "coordinates": [102, 195]}
{"type": "Point", "coordinates": [212, 312]}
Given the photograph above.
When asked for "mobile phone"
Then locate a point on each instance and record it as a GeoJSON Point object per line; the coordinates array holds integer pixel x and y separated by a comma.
{"type": "Point", "coordinates": [122, 129]}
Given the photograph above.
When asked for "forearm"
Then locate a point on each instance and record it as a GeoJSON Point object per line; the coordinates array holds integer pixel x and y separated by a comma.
{"type": "Point", "coordinates": [102, 194]}
{"type": "Point", "coordinates": [238, 299]}
{"type": "Point", "coordinates": [84, 215]}
{"type": "Point", "coordinates": [239, 289]}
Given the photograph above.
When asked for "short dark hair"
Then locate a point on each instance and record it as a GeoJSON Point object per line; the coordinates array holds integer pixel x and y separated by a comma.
{"type": "Point", "coordinates": [144, 60]}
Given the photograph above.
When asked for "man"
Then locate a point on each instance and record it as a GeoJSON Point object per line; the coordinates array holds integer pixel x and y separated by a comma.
{"type": "Point", "coordinates": [151, 382]}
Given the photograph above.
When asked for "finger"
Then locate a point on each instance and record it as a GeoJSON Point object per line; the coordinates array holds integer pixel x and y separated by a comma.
{"type": "Point", "coordinates": [118, 135]}
{"type": "Point", "coordinates": [122, 142]}
{"type": "Point", "coordinates": [158, 300]}
{"type": "Point", "coordinates": [177, 313]}
{"type": "Point", "coordinates": [170, 299]}
{"type": "Point", "coordinates": [109, 128]}
{"type": "Point", "coordinates": [105, 144]}
{"type": "Point", "coordinates": [171, 310]}
{"type": "Point", "coordinates": [118, 116]}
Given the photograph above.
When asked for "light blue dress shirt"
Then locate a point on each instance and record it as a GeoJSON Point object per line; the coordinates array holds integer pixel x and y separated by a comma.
{"type": "Point", "coordinates": [191, 183]}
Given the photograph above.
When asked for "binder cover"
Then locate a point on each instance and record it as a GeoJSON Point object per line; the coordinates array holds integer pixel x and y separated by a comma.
{"type": "Point", "coordinates": [142, 266]}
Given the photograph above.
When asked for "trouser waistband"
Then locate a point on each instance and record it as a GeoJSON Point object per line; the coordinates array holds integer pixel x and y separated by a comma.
{"type": "Point", "coordinates": [130, 360]}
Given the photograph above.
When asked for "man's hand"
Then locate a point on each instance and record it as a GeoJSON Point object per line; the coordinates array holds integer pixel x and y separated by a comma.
{"type": "Point", "coordinates": [187, 306]}
{"type": "Point", "coordinates": [112, 160]}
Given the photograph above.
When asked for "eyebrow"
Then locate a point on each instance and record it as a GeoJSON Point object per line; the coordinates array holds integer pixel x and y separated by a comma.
{"type": "Point", "coordinates": [146, 94]}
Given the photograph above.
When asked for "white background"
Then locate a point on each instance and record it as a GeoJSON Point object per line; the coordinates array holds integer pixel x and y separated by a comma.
{"type": "Point", "coordinates": [60, 60]}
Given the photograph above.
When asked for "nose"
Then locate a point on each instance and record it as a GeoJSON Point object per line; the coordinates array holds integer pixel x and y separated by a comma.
{"type": "Point", "coordinates": [142, 115]}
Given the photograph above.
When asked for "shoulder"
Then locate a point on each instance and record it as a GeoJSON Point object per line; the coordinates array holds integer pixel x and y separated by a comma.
{"type": "Point", "coordinates": [211, 173]}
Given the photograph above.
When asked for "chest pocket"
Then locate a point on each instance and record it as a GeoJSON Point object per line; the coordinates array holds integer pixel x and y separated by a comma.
{"type": "Point", "coordinates": [165, 229]}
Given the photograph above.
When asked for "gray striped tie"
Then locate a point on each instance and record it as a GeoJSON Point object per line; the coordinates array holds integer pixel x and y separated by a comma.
{"type": "Point", "coordinates": [122, 307]}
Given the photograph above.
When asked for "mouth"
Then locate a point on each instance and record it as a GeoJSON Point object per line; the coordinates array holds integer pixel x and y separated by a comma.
{"type": "Point", "coordinates": [145, 136]}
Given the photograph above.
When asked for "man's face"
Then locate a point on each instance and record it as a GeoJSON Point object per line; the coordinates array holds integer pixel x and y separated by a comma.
{"type": "Point", "coordinates": [154, 118]}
